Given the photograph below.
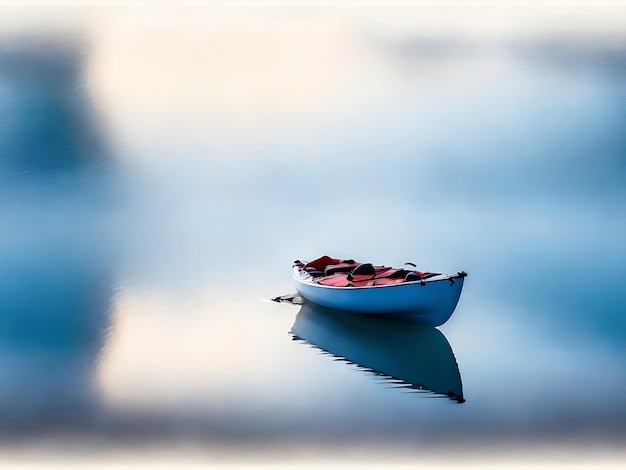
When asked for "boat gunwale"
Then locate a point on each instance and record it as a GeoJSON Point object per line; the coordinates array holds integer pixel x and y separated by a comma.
{"type": "Point", "coordinates": [421, 282]}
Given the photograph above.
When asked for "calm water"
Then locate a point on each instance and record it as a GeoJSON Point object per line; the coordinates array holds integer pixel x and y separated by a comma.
{"type": "Point", "coordinates": [161, 169]}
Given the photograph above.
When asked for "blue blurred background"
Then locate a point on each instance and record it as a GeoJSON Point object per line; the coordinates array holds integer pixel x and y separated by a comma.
{"type": "Point", "coordinates": [161, 167]}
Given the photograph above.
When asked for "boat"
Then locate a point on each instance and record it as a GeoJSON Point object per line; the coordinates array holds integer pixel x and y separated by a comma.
{"type": "Point", "coordinates": [408, 356]}
{"type": "Point", "coordinates": [407, 293]}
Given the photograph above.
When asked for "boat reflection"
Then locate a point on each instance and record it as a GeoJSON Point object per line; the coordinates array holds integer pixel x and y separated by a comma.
{"type": "Point", "coordinates": [408, 355]}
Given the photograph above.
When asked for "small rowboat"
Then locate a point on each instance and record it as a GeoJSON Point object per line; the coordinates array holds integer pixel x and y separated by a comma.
{"type": "Point", "coordinates": [429, 298]}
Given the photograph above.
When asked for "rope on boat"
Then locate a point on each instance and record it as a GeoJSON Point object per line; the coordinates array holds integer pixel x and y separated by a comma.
{"type": "Point", "coordinates": [294, 299]}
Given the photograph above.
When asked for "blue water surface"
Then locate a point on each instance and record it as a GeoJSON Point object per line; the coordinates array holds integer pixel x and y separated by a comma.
{"type": "Point", "coordinates": [146, 215]}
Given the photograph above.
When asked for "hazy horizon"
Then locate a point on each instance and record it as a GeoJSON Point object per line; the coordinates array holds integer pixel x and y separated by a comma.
{"type": "Point", "coordinates": [161, 166]}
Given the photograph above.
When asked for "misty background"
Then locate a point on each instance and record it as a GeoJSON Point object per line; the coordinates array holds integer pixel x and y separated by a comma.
{"type": "Point", "coordinates": [161, 167]}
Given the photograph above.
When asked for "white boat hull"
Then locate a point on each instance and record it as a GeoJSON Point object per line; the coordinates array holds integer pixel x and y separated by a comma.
{"type": "Point", "coordinates": [430, 302]}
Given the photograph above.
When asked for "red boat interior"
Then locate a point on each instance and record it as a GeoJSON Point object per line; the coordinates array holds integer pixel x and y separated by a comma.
{"type": "Point", "coordinates": [337, 272]}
